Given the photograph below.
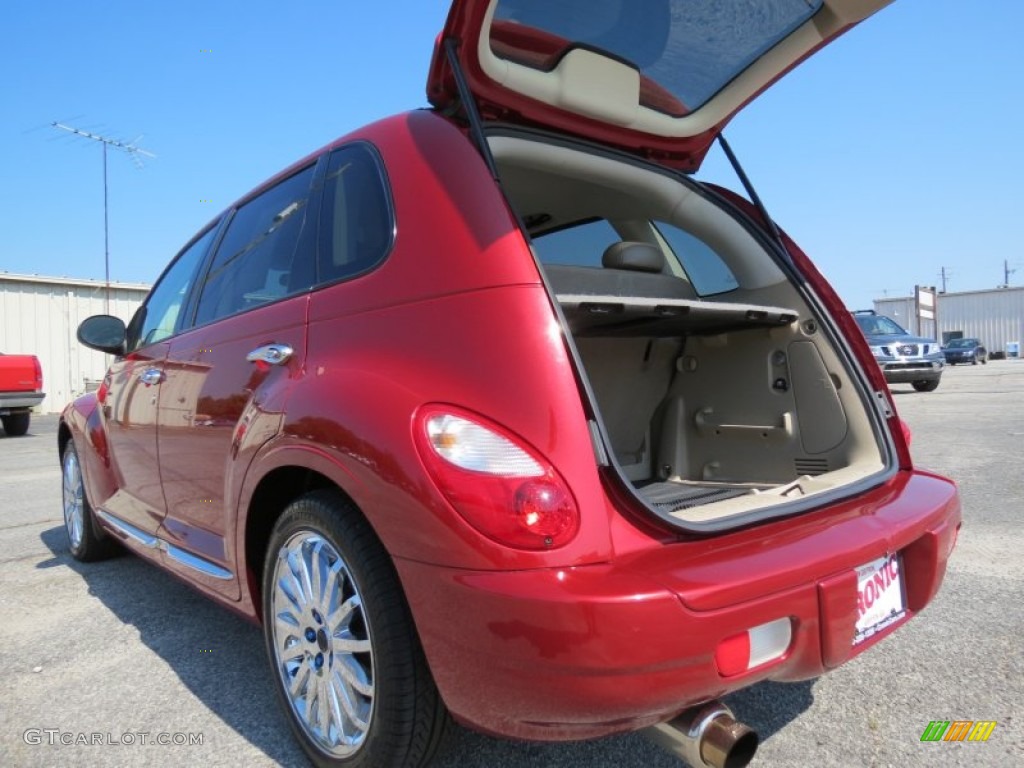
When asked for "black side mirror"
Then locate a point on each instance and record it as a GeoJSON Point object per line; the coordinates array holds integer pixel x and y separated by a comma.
{"type": "Point", "coordinates": [105, 333]}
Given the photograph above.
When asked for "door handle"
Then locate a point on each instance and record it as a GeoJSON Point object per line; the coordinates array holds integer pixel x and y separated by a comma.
{"type": "Point", "coordinates": [152, 376]}
{"type": "Point", "coordinates": [272, 354]}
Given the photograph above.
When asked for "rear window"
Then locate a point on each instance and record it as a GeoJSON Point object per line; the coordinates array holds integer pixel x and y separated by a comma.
{"type": "Point", "coordinates": [584, 244]}
{"type": "Point", "coordinates": [581, 245]}
{"type": "Point", "coordinates": [705, 268]}
{"type": "Point", "coordinates": [685, 50]}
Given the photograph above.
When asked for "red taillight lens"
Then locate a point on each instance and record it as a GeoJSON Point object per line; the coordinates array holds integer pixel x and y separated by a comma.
{"type": "Point", "coordinates": [906, 431]}
{"type": "Point", "coordinates": [545, 508]}
{"type": "Point", "coordinates": [500, 486]}
{"type": "Point", "coordinates": [39, 374]}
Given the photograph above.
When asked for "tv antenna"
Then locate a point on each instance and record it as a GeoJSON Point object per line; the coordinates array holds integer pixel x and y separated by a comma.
{"type": "Point", "coordinates": [135, 152]}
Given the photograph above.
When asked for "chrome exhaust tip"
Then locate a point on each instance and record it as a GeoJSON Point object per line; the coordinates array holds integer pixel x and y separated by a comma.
{"type": "Point", "coordinates": [707, 736]}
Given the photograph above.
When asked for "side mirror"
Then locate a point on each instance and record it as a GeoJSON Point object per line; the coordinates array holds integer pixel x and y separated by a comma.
{"type": "Point", "coordinates": [105, 333]}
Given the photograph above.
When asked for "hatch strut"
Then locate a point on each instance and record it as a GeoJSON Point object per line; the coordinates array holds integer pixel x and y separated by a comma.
{"type": "Point", "coordinates": [476, 127]}
{"type": "Point", "coordinates": [755, 198]}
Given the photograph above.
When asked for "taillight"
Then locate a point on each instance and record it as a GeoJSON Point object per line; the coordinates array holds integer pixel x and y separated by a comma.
{"type": "Point", "coordinates": [754, 647]}
{"type": "Point", "coordinates": [906, 431]}
{"type": "Point", "coordinates": [500, 486]}
{"type": "Point", "coordinates": [38, 374]}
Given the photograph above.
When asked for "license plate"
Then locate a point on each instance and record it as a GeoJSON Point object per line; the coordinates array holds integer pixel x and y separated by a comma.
{"type": "Point", "coordinates": [880, 596]}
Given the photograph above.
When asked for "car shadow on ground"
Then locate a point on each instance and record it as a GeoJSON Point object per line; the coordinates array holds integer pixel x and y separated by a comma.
{"type": "Point", "coordinates": [217, 655]}
{"type": "Point", "coordinates": [220, 658]}
{"type": "Point", "coordinates": [30, 435]}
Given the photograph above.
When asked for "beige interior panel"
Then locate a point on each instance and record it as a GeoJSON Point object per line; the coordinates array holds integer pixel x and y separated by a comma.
{"type": "Point", "coordinates": [741, 391]}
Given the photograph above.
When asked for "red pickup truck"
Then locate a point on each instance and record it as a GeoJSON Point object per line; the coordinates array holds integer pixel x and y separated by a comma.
{"type": "Point", "coordinates": [21, 388]}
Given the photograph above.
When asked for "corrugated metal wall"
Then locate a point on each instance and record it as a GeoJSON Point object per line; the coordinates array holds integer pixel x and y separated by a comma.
{"type": "Point", "coordinates": [39, 316]}
{"type": "Point", "coordinates": [995, 316]}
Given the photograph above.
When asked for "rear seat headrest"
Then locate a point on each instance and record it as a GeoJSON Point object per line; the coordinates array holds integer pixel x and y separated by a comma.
{"type": "Point", "coordinates": [635, 256]}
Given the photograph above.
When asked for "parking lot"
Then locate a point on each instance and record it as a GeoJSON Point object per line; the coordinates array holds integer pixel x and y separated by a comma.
{"type": "Point", "coordinates": [119, 651]}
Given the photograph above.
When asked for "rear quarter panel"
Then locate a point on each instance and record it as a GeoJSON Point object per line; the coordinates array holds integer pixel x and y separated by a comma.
{"type": "Point", "coordinates": [456, 314]}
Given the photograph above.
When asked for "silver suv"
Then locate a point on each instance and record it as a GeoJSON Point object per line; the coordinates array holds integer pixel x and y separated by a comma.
{"type": "Point", "coordinates": [904, 358]}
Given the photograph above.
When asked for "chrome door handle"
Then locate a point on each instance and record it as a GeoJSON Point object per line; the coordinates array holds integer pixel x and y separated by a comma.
{"type": "Point", "coordinates": [272, 354]}
{"type": "Point", "coordinates": [152, 376]}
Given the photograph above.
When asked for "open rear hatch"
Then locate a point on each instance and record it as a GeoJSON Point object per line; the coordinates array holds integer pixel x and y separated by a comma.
{"type": "Point", "coordinates": [656, 77]}
{"type": "Point", "coordinates": [721, 392]}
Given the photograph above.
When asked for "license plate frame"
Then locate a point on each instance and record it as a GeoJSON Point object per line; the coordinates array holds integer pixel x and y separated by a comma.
{"type": "Point", "coordinates": [881, 596]}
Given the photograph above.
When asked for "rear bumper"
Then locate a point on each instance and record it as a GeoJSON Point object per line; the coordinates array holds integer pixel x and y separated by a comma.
{"type": "Point", "coordinates": [583, 652]}
{"type": "Point", "coordinates": [19, 401]}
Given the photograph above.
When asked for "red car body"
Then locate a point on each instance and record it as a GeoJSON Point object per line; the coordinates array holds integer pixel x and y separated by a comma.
{"type": "Point", "coordinates": [627, 622]}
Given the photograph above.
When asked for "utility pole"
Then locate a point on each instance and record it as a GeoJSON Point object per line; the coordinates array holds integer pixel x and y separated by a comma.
{"type": "Point", "coordinates": [133, 151]}
{"type": "Point", "coordinates": [945, 277]}
{"type": "Point", "coordinates": [1006, 273]}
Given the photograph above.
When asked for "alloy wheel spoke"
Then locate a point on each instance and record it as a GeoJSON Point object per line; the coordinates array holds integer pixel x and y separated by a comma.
{"type": "Point", "coordinates": [299, 680]}
{"type": "Point", "coordinates": [343, 614]}
{"type": "Point", "coordinates": [348, 644]}
{"type": "Point", "coordinates": [354, 675]}
{"type": "Point", "coordinates": [343, 692]}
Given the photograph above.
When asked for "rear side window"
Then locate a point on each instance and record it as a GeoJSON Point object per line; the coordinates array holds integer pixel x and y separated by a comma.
{"type": "Point", "coordinates": [260, 258]}
{"type": "Point", "coordinates": [581, 245]}
{"type": "Point", "coordinates": [357, 224]}
{"type": "Point", "coordinates": [158, 317]}
{"type": "Point", "coordinates": [705, 268]}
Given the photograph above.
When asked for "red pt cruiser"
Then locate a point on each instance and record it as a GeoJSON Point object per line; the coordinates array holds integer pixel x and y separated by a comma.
{"type": "Point", "coordinates": [491, 412]}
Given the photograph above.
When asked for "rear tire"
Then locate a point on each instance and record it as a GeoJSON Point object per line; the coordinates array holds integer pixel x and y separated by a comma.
{"type": "Point", "coordinates": [16, 424]}
{"type": "Point", "coordinates": [925, 386]}
{"type": "Point", "coordinates": [86, 540]}
{"type": "Point", "coordinates": [347, 663]}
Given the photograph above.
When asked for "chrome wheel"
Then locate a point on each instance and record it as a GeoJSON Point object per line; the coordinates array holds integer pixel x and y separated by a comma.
{"type": "Point", "coordinates": [74, 499]}
{"type": "Point", "coordinates": [320, 638]}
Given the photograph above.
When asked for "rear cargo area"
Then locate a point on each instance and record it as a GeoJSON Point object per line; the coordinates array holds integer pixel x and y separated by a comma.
{"type": "Point", "coordinates": [715, 408]}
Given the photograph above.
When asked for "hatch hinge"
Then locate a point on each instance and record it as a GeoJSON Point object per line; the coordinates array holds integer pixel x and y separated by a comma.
{"type": "Point", "coordinates": [600, 454]}
{"type": "Point", "coordinates": [883, 405]}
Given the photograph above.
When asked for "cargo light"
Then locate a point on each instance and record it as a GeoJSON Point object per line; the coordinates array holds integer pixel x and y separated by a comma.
{"type": "Point", "coordinates": [499, 485]}
{"type": "Point", "coordinates": [756, 646]}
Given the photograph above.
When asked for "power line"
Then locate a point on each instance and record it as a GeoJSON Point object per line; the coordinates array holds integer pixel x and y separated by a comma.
{"type": "Point", "coordinates": [132, 149]}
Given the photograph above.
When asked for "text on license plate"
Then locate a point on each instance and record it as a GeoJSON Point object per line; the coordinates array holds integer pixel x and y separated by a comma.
{"type": "Point", "coordinates": [880, 600]}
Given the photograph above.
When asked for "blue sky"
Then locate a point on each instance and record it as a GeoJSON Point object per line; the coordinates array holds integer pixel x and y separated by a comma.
{"type": "Point", "coordinates": [894, 152]}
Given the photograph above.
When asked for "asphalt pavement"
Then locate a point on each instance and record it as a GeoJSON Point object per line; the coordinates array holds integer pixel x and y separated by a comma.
{"type": "Point", "coordinates": [103, 661]}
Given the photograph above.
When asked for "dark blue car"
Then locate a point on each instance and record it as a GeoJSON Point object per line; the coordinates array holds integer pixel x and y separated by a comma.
{"type": "Point", "coordinates": [965, 351]}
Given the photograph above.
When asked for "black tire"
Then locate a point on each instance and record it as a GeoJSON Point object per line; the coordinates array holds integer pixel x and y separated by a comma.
{"type": "Point", "coordinates": [405, 719]}
{"type": "Point", "coordinates": [984, 360]}
{"type": "Point", "coordinates": [16, 424]}
{"type": "Point", "coordinates": [926, 386]}
{"type": "Point", "coordinates": [974, 360]}
{"type": "Point", "coordinates": [86, 540]}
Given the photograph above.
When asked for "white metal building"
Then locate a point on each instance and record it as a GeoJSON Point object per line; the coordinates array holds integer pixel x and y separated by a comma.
{"type": "Point", "coordinates": [995, 316]}
{"type": "Point", "coordinates": [39, 316]}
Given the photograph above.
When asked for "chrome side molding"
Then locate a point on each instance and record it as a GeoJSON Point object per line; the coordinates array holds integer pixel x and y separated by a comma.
{"type": "Point", "coordinates": [174, 552]}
